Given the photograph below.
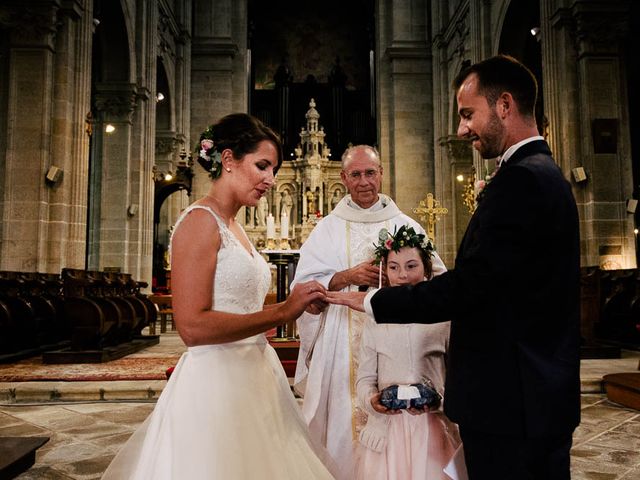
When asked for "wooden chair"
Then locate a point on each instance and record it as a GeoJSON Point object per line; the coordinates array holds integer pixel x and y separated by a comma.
{"type": "Point", "coordinates": [165, 312]}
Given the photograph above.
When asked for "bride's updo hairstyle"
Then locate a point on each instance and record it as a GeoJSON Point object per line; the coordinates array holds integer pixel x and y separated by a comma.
{"type": "Point", "coordinates": [239, 132]}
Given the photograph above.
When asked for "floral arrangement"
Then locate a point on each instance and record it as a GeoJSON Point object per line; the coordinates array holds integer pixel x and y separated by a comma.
{"type": "Point", "coordinates": [480, 185]}
{"type": "Point", "coordinates": [208, 156]}
{"type": "Point", "coordinates": [405, 236]}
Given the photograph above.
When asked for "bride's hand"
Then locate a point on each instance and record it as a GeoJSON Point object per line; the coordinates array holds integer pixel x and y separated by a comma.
{"type": "Point", "coordinates": [353, 300]}
{"type": "Point", "coordinates": [302, 296]}
{"type": "Point", "coordinates": [317, 307]}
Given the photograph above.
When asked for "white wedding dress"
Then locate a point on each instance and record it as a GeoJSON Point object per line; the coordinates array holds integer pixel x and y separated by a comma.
{"type": "Point", "coordinates": [227, 411]}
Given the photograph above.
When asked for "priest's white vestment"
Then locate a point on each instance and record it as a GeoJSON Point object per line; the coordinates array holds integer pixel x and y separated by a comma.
{"type": "Point", "coordinates": [329, 343]}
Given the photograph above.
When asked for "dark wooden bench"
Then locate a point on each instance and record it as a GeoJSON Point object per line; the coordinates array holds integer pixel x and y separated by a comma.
{"type": "Point", "coordinates": [623, 388]}
{"type": "Point", "coordinates": [618, 321]}
{"type": "Point", "coordinates": [18, 454]}
{"type": "Point", "coordinates": [106, 313]}
{"type": "Point", "coordinates": [31, 317]}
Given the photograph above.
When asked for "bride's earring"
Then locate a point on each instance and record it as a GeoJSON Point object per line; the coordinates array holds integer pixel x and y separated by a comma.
{"type": "Point", "coordinates": [226, 158]}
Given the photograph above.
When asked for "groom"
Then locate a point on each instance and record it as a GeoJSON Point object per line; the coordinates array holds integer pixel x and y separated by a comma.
{"type": "Point", "coordinates": [513, 297]}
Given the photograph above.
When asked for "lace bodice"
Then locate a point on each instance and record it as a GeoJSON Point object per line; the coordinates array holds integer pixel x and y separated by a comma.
{"type": "Point", "coordinates": [242, 279]}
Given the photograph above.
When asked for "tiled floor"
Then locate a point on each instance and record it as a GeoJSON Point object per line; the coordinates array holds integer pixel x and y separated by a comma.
{"type": "Point", "coordinates": [86, 431]}
{"type": "Point", "coordinates": [84, 436]}
{"type": "Point", "coordinates": [606, 445]}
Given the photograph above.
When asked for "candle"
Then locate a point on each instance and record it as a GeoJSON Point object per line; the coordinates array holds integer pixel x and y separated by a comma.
{"type": "Point", "coordinates": [284, 225]}
{"type": "Point", "coordinates": [271, 227]}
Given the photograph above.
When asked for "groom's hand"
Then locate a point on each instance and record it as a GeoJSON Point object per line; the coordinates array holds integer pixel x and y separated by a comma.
{"type": "Point", "coordinates": [353, 300]}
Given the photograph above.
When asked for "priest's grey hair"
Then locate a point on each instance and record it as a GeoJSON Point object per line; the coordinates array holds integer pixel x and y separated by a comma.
{"type": "Point", "coordinates": [348, 153]}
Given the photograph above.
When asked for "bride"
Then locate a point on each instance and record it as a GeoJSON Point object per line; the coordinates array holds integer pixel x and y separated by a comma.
{"type": "Point", "coordinates": [227, 412]}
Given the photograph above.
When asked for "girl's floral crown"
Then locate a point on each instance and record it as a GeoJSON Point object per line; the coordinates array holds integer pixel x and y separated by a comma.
{"type": "Point", "coordinates": [208, 156]}
{"type": "Point", "coordinates": [405, 236]}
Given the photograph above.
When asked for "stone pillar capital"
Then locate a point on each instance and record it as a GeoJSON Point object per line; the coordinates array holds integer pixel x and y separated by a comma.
{"type": "Point", "coordinates": [458, 149]}
{"type": "Point", "coordinates": [116, 101]}
{"type": "Point", "coordinates": [166, 142]}
{"type": "Point", "coordinates": [600, 32]}
{"type": "Point", "coordinates": [31, 24]}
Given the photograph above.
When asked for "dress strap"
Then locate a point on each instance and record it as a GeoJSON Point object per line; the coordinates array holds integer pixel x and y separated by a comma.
{"type": "Point", "coordinates": [225, 234]}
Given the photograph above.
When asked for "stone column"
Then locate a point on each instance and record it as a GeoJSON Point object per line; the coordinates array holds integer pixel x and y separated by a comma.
{"type": "Point", "coordinates": [24, 199]}
{"type": "Point", "coordinates": [480, 29]}
{"type": "Point", "coordinates": [75, 151]}
{"type": "Point", "coordinates": [603, 144]}
{"type": "Point", "coordinates": [460, 161]}
{"type": "Point", "coordinates": [70, 138]}
{"type": "Point", "coordinates": [561, 84]}
{"type": "Point", "coordinates": [111, 177]}
{"type": "Point", "coordinates": [406, 101]}
{"type": "Point", "coordinates": [183, 78]}
{"type": "Point", "coordinates": [449, 43]}
{"type": "Point", "coordinates": [138, 250]}
{"type": "Point", "coordinates": [218, 79]}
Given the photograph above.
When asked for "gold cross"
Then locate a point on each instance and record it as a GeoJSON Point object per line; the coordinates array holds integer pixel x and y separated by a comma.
{"type": "Point", "coordinates": [429, 210]}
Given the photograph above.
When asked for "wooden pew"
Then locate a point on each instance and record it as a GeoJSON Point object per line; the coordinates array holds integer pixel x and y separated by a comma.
{"type": "Point", "coordinates": [22, 324]}
{"type": "Point", "coordinates": [163, 303]}
{"type": "Point", "coordinates": [94, 320]}
{"type": "Point", "coordinates": [617, 323]}
{"type": "Point", "coordinates": [107, 313]}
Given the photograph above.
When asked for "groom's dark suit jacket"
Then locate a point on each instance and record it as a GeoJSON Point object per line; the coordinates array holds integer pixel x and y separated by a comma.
{"type": "Point", "coordinates": [513, 302]}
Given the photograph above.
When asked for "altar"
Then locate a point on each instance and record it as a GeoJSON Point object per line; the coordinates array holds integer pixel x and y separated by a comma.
{"type": "Point", "coordinates": [308, 186]}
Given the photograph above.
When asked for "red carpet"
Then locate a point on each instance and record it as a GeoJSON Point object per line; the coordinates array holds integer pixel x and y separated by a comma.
{"type": "Point", "coordinates": [142, 368]}
{"type": "Point", "coordinates": [136, 367]}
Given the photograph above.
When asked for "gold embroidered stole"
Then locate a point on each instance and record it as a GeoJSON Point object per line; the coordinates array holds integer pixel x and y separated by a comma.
{"type": "Point", "coordinates": [356, 323]}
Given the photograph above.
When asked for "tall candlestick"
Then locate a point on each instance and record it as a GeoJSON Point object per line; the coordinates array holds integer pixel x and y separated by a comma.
{"type": "Point", "coordinates": [271, 227]}
{"type": "Point", "coordinates": [284, 225]}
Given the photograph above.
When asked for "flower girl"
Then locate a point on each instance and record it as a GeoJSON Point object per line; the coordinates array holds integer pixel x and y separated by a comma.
{"type": "Point", "coordinates": [400, 379]}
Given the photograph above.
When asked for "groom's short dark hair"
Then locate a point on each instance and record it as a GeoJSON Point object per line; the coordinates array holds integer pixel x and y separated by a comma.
{"type": "Point", "coordinates": [503, 73]}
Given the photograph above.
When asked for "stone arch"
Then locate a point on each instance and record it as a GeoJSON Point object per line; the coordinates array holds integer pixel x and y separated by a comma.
{"type": "Point", "coordinates": [170, 156]}
{"type": "Point", "coordinates": [112, 44]}
{"type": "Point", "coordinates": [501, 16]}
{"type": "Point", "coordinates": [165, 106]}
